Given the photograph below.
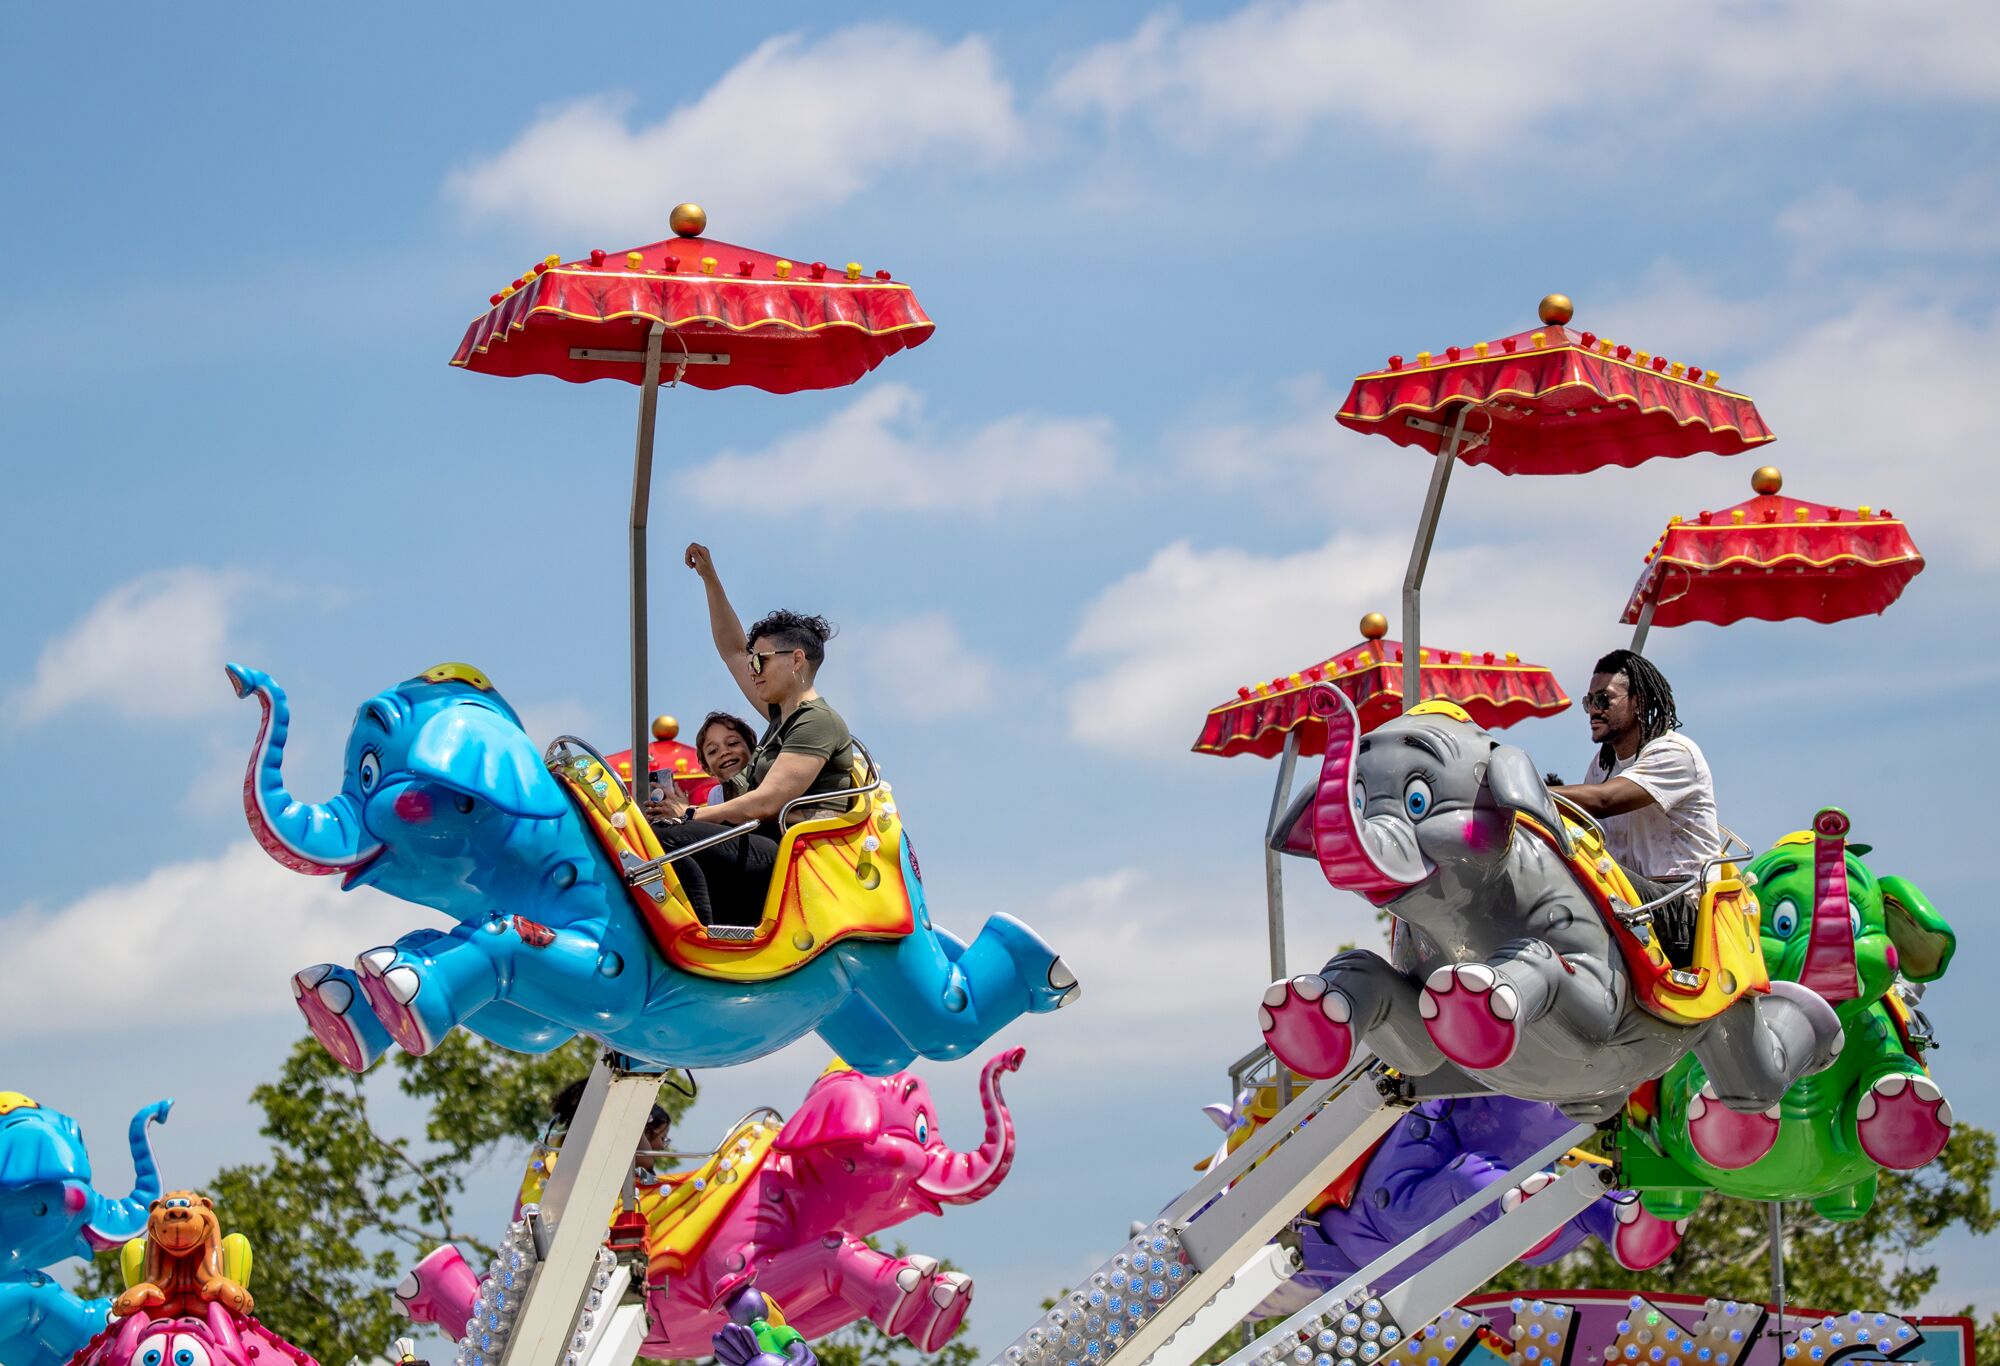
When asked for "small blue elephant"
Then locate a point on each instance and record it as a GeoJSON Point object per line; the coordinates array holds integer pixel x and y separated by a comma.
{"type": "Point", "coordinates": [447, 803]}
{"type": "Point", "coordinates": [48, 1212]}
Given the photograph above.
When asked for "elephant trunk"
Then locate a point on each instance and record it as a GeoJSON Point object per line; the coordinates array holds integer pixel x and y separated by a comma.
{"type": "Point", "coordinates": [1830, 966]}
{"type": "Point", "coordinates": [1375, 856]}
{"type": "Point", "coordinates": [115, 1222]}
{"type": "Point", "coordinates": [317, 839]}
{"type": "Point", "coordinates": [955, 1178]}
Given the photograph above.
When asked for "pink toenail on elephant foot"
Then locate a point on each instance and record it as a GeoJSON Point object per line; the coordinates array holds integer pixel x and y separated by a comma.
{"type": "Point", "coordinates": [1726, 1138]}
{"type": "Point", "coordinates": [1470, 1015]}
{"type": "Point", "coordinates": [1903, 1121]}
{"type": "Point", "coordinates": [951, 1294]}
{"type": "Point", "coordinates": [1519, 1195]}
{"type": "Point", "coordinates": [1305, 1024]}
{"type": "Point", "coordinates": [390, 988]}
{"type": "Point", "coordinates": [325, 1001]}
{"type": "Point", "coordinates": [1643, 1239]}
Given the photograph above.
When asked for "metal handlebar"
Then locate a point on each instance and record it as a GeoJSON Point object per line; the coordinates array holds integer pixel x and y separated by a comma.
{"type": "Point", "coordinates": [1700, 879]}
{"type": "Point", "coordinates": [1582, 816]}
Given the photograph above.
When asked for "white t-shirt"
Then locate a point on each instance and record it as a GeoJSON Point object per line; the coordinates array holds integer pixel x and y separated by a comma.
{"type": "Point", "coordinates": [1669, 840]}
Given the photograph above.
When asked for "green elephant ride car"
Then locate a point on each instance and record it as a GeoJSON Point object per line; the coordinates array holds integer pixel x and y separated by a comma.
{"type": "Point", "coordinates": [1830, 923]}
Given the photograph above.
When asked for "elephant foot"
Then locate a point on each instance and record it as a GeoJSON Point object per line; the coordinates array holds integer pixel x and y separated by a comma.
{"type": "Point", "coordinates": [1305, 1024]}
{"type": "Point", "coordinates": [330, 998]}
{"type": "Point", "coordinates": [1726, 1138]}
{"type": "Point", "coordinates": [1469, 1013]}
{"type": "Point", "coordinates": [439, 1290]}
{"type": "Point", "coordinates": [1519, 1195]}
{"type": "Point", "coordinates": [1064, 987]}
{"type": "Point", "coordinates": [1643, 1239]}
{"type": "Point", "coordinates": [930, 1303]}
{"type": "Point", "coordinates": [1903, 1122]}
{"type": "Point", "coordinates": [392, 987]}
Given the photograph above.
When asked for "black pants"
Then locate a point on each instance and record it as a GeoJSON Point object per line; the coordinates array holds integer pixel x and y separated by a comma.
{"type": "Point", "coordinates": [726, 884]}
{"type": "Point", "coordinates": [1675, 920]}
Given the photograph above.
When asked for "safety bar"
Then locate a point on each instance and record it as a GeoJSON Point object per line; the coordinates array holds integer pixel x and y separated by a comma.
{"type": "Point", "coordinates": [1583, 816]}
{"type": "Point", "coordinates": [1700, 879]}
{"type": "Point", "coordinates": [776, 1118]}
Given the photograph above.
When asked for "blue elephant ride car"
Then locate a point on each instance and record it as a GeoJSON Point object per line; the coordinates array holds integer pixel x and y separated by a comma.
{"type": "Point", "coordinates": [571, 920]}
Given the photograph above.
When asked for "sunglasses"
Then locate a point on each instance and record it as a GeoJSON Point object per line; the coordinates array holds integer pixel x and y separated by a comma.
{"type": "Point", "coordinates": [758, 658]}
{"type": "Point", "coordinates": [1597, 701]}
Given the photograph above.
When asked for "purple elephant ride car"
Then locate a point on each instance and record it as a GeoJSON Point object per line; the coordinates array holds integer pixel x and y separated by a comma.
{"type": "Point", "coordinates": [1519, 950]}
{"type": "Point", "coordinates": [1442, 1153]}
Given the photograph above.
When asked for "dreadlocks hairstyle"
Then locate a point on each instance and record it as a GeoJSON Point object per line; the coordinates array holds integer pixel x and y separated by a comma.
{"type": "Point", "coordinates": [1652, 692]}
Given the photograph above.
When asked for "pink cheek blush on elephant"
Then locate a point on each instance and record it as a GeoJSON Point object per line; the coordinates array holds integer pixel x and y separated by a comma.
{"type": "Point", "coordinates": [785, 1215]}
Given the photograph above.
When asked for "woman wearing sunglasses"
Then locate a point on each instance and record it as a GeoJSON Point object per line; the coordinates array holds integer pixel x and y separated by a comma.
{"type": "Point", "coordinates": [806, 749]}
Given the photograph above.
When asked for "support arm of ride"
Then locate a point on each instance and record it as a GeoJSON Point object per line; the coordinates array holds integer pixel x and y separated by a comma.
{"type": "Point", "coordinates": [1612, 797]}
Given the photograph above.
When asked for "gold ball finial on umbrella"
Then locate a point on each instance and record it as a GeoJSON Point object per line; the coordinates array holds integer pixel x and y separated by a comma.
{"type": "Point", "coordinates": [688, 220]}
{"type": "Point", "coordinates": [665, 728]}
{"type": "Point", "coordinates": [1556, 309]}
{"type": "Point", "coordinates": [1374, 626]}
{"type": "Point", "coordinates": [1767, 479]}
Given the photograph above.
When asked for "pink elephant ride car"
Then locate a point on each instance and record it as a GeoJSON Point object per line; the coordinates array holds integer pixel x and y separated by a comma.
{"type": "Point", "coordinates": [218, 1338]}
{"type": "Point", "coordinates": [785, 1211]}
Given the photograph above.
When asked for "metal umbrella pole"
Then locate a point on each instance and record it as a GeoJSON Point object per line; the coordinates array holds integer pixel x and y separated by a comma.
{"type": "Point", "coordinates": [1274, 862]}
{"type": "Point", "coordinates": [1449, 449]}
{"type": "Point", "coordinates": [1777, 1211]}
{"type": "Point", "coordinates": [642, 496]}
{"type": "Point", "coordinates": [1646, 609]}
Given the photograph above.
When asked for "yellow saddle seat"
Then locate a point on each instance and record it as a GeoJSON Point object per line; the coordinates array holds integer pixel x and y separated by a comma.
{"type": "Point", "coordinates": [1728, 958]}
{"type": "Point", "coordinates": [682, 1213]}
{"type": "Point", "coordinates": [840, 875]}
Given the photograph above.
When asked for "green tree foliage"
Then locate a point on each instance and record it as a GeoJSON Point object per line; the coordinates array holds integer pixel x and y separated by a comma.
{"type": "Point", "coordinates": [341, 1206]}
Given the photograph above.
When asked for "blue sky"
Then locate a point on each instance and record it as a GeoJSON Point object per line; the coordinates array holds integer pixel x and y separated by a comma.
{"type": "Point", "coordinates": [1157, 243]}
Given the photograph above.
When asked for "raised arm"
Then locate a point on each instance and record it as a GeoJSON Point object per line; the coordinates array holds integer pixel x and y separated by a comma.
{"type": "Point", "coordinates": [724, 626]}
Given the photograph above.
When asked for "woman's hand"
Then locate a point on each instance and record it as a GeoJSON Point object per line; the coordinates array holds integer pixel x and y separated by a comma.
{"type": "Point", "coordinates": [700, 561]}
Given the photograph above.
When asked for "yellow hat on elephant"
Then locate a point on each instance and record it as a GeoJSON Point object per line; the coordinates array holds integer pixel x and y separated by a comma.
{"type": "Point", "coordinates": [1437, 706]}
{"type": "Point", "coordinates": [11, 1101]}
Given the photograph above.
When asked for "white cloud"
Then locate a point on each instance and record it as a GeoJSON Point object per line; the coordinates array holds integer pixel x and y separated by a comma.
{"type": "Point", "coordinates": [1880, 403]}
{"type": "Point", "coordinates": [883, 441]}
{"type": "Point", "coordinates": [1452, 80]}
{"type": "Point", "coordinates": [1954, 220]}
{"type": "Point", "coordinates": [1187, 953]}
{"type": "Point", "coordinates": [151, 649]}
{"type": "Point", "coordinates": [196, 941]}
{"type": "Point", "coordinates": [793, 129]}
{"type": "Point", "coordinates": [900, 668]}
{"type": "Point", "coordinates": [1173, 638]}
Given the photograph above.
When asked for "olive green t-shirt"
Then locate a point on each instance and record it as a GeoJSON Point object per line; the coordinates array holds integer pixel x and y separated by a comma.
{"type": "Point", "coordinates": [815, 729]}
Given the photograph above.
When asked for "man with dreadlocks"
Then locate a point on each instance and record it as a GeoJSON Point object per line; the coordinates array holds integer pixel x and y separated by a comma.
{"type": "Point", "coordinates": [1649, 787]}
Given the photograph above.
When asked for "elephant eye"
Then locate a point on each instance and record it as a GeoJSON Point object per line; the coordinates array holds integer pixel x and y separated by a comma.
{"type": "Point", "coordinates": [1853, 918]}
{"type": "Point", "coordinates": [371, 769]}
{"type": "Point", "coordinates": [923, 1128]}
{"type": "Point", "coordinates": [188, 1351]}
{"type": "Point", "coordinates": [150, 1357]}
{"type": "Point", "coordinates": [1784, 919]}
{"type": "Point", "coordinates": [1417, 798]}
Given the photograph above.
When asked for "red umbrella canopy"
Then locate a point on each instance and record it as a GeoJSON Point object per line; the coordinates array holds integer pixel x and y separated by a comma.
{"type": "Point", "coordinates": [1554, 401]}
{"type": "Point", "coordinates": [668, 755]}
{"type": "Point", "coordinates": [1495, 691]}
{"type": "Point", "coordinates": [1776, 558]}
{"type": "Point", "coordinates": [784, 325]}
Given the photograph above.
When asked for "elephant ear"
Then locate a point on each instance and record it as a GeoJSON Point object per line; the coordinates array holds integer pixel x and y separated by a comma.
{"type": "Point", "coordinates": [471, 748]}
{"type": "Point", "coordinates": [840, 1108]}
{"type": "Point", "coordinates": [1294, 831]}
{"type": "Point", "coordinates": [1924, 941]}
{"type": "Point", "coordinates": [1516, 784]}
